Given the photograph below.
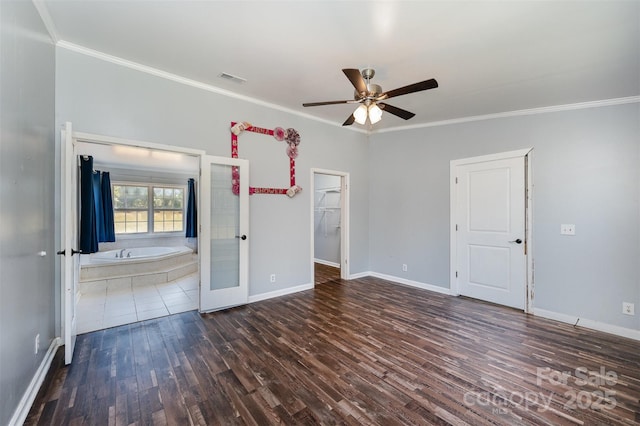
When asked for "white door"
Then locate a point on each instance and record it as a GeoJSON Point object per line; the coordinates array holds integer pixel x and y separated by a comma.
{"type": "Point", "coordinates": [224, 233]}
{"type": "Point", "coordinates": [491, 263]}
{"type": "Point", "coordinates": [69, 235]}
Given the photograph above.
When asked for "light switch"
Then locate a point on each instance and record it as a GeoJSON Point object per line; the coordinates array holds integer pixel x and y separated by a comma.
{"type": "Point", "coordinates": [567, 229]}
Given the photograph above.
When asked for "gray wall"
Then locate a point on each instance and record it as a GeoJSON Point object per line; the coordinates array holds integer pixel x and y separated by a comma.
{"type": "Point", "coordinates": [586, 167]}
{"type": "Point", "coordinates": [103, 98]}
{"type": "Point", "coordinates": [326, 239]}
{"type": "Point", "coordinates": [27, 66]}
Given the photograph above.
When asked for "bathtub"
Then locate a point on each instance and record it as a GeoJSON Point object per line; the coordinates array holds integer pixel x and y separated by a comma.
{"type": "Point", "coordinates": [142, 265]}
{"type": "Point", "coordinates": [135, 254]}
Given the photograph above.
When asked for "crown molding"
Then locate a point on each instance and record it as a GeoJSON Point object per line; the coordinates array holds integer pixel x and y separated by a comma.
{"type": "Point", "coordinates": [210, 88]}
{"type": "Point", "coordinates": [41, 7]}
{"type": "Point", "coordinates": [187, 81]}
{"type": "Point", "coordinates": [532, 111]}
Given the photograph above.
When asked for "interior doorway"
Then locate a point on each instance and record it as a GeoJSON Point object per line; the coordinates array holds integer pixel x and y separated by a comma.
{"type": "Point", "coordinates": [96, 295]}
{"type": "Point", "coordinates": [329, 230]}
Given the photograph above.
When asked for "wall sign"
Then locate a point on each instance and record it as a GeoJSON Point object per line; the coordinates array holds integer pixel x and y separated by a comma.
{"type": "Point", "coordinates": [289, 136]}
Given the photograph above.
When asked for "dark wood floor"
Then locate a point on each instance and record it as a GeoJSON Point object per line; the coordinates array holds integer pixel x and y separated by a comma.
{"type": "Point", "coordinates": [359, 352]}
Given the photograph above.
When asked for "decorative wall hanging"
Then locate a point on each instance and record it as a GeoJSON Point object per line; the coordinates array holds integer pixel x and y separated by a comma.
{"type": "Point", "coordinates": [292, 139]}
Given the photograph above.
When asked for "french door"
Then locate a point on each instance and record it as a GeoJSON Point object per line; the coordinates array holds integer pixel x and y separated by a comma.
{"type": "Point", "coordinates": [224, 233]}
{"type": "Point", "coordinates": [70, 265]}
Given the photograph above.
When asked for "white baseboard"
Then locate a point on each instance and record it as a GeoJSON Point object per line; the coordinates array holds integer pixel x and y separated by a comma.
{"type": "Point", "coordinates": [22, 411]}
{"type": "Point", "coordinates": [278, 293]}
{"type": "Point", "coordinates": [424, 286]}
{"type": "Point", "coordinates": [587, 323]}
{"type": "Point", "coordinates": [326, 262]}
{"type": "Point", "coordinates": [360, 275]}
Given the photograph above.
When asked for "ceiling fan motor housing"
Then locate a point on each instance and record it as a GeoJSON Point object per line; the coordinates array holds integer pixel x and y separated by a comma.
{"type": "Point", "coordinates": [373, 91]}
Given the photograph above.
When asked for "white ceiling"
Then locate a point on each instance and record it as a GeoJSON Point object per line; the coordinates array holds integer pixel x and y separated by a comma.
{"type": "Point", "coordinates": [488, 57]}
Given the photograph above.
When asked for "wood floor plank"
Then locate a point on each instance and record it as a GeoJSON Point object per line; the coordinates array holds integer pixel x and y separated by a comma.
{"type": "Point", "coordinates": [347, 352]}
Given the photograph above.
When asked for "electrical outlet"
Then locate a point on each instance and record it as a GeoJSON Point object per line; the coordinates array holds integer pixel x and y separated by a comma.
{"type": "Point", "coordinates": [567, 229]}
{"type": "Point", "coordinates": [404, 267]}
{"type": "Point", "coordinates": [272, 278]}
{"type": "Point", "coordinates": [37, 344]}
{"type": "Point", "coordinates": [628, 308]}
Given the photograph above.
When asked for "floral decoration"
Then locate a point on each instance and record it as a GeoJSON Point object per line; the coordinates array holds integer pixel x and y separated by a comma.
{"type": "Point", "coordinates": [292, 137]}
{"type": "Point", "coordinates": [279, 133]}
{"type": "Point", "coordinates": [292, 151]}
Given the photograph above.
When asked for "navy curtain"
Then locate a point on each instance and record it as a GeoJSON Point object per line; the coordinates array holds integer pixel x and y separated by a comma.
{"type": "Point", "coordinates": [107, 209]}
{"type": "Point", "coordinates": [97, 203]}
{"type": "Point", "coordinates": [88, 234]}
{"type": "Point", "coordinates": [192, 213]}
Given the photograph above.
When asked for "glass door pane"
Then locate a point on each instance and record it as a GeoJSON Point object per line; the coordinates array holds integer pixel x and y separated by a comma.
{"type": "Point", "coordinates": [225, 227]}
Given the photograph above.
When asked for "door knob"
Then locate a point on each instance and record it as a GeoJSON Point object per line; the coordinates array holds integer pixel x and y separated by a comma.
{"type": "Point", "coordinates": [517, 241]}
{"type": "Point", "coordinates": [244, 237]}
{"type": "Point", "coordinates": [63, 252]}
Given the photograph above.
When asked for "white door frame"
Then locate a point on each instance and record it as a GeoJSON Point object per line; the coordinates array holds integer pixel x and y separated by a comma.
{"type": "Point", "coordinates": [107, 140]}
{"type": "Point", "coordinates": [344, 219]}
{"type": "Point", "coordinates": [527, 155]}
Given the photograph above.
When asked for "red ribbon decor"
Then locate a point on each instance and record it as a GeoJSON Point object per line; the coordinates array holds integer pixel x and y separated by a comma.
{"type": "Point", "coordinates": [290, 136]}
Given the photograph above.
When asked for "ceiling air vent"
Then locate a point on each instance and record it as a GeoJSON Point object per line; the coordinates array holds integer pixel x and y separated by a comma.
{"type": "Point", "coordinates": [233, 78]}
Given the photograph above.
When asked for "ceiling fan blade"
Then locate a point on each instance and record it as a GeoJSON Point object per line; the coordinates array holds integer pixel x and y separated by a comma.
{"type": "Point", "coordinates": [415, 87]}
{"type": "Point", "coordinates": [402, 113]}
{"type": "Point", "coordinates": [356, 79]}
{"type": "Point", "coordinates": [349, 121]}
{"type": "Point", "coordinates": [310, 104]}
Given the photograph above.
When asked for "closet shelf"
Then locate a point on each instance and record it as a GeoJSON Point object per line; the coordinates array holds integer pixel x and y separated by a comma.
{"type": "Point", "coordinates": [336, 189]}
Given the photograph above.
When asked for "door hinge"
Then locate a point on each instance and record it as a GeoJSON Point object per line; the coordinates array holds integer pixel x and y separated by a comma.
{"type": "Point", "coordinates": [456, 179]}
{"type": "Point", "coordinates": [456, 226]}
{"type": "Point", "coordinates": [456, 274]}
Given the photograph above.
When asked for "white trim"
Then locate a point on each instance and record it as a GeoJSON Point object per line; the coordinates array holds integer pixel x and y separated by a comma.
{"type": "Point", "coordinates": [279, 293]}
{"type": "Point", "coordinates": [417, 284]}
{"type": "Point", "coordinates": [588, 323]}
{"type": "Point", "coordinates": [23, 408]}
{"type": "Point", "coordinates": [491, 157]}
{"type": "Point", "coordinates": [326, 262]}
{"type": "Point", "coordinates": [526, 154]}
{"type": "Point", "coordinates": [517, 113]}
{"type": "Point", "coordinates": [193, 83]}
{"type": "Point", "coordinates": [110, 140]}
{"type": "Point", "coordinates": [530, 286]}
{"type": "Point", "coordinates": [43, 11]}
{"type": "Point", "coordinates": [345, 185]}
{"type": "Point", "coordinates": [360, 275]}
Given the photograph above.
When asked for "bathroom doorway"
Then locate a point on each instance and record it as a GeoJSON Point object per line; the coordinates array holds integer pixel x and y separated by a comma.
{"type": "Point", "coordinates": [152, 270]}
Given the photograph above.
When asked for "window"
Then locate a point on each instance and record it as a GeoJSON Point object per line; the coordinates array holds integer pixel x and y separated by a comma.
{"type": "Point", "coordinates": [130, 209]}
{"type": "Point", "coordinates": [168, 207]}
{"type": "Point", "coordinates": [147, 208]}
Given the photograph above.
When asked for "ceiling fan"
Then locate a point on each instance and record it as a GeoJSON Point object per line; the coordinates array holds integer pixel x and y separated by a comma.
{"type": "Point", "coordinates": [370, 95]}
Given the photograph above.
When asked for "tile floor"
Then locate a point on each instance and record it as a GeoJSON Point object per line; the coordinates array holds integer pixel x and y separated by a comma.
{"type": "Point", "coordinates": [120, 303]}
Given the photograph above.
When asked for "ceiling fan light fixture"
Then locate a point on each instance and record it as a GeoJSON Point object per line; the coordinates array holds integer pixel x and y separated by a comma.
{"type": "Point", "coordinates": [375, 113]}
{"type": "Point", "coordinates": [360, 114]}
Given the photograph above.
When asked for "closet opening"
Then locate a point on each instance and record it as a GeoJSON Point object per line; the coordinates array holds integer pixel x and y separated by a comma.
{"type": "Point", "coordinates": [329, 234]}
